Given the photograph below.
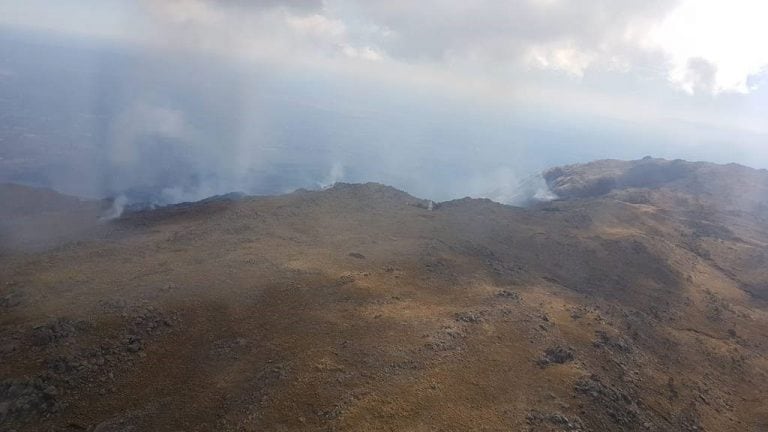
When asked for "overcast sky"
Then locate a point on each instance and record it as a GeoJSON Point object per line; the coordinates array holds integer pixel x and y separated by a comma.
{"type": "Point", "coordinates": [690, 74]}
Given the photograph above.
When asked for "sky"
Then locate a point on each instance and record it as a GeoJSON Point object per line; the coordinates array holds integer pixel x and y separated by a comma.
{"type": "Point", "coordinates": [441, 98]}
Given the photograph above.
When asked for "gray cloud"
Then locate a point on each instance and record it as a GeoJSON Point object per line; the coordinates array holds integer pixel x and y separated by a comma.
{"type": "Point", "coordinates": [499, 30]}
{"type": "Point", "coordinates": [700, 75]}
{"type": "Point", "coordinates": [554, 34]}
{"type": "Point", "coordinates": [499, 38]}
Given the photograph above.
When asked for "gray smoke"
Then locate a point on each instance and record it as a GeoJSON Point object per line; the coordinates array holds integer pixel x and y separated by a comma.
{"type": "Point", "coordinates": [116, 209]}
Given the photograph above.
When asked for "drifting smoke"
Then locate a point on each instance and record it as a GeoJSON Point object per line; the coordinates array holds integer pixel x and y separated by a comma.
{"type": "Point", "coordinates": [336, 175]}
{"type": "Point", "coordinates": [117, 208]}
{"type": "Point", "coordinates": [156, 134]}
{"type": "Point", "coordinates": [530, 190]}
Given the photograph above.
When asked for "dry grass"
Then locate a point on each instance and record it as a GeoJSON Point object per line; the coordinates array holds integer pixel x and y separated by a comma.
{"type": "Point", "coordinates": [273, 325]}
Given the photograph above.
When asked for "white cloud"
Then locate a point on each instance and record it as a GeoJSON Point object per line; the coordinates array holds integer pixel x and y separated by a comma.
{"type": "Point", "coordinates": [317, 25]}
{"type": "Point", "coordinates": [366, 53]}
{"type": "Point", "coordinates": [703, 46]}
{"type": "Point", "coordinates": [727, 38]}
{"type": "Point", "coordinates": [616, 57]}
{"type": "Point", "coordinates": [560, 57]}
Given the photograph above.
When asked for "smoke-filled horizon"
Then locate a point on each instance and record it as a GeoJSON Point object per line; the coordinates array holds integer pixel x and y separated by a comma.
{"type": "Point", "coordinates": [192, 98]}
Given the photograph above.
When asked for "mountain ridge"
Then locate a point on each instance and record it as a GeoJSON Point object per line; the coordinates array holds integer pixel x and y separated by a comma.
{"type": "Point", "coordinates": [360, 307]}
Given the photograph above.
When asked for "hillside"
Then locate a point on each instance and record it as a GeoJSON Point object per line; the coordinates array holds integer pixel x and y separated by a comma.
{"type": "Point", "coordinates": [637, 301]}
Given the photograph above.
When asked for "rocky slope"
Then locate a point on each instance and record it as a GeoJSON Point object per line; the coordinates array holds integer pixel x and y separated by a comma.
{"type": "Point", "coordinates": [636, 302]}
